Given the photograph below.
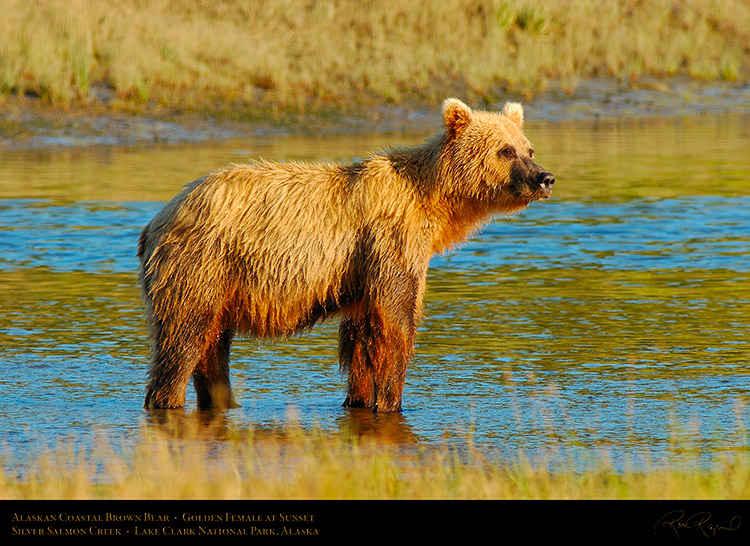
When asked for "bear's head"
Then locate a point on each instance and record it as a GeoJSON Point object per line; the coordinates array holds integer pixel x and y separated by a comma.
{"type": "Point", "coordinates": [488, 159]}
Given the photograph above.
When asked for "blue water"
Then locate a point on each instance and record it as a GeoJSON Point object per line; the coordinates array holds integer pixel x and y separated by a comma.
{"type": "Point", "coordinates": [704, 232]}
{"type": "Point", "coordinates": [583, 326]}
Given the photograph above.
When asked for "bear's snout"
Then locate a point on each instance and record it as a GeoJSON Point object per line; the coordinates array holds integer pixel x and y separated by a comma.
{"type": "Point", "coordinates": [546, 181]}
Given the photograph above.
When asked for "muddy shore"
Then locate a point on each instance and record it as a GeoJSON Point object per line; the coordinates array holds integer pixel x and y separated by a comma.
{"type": "Point", "coordinates": [30, 123]}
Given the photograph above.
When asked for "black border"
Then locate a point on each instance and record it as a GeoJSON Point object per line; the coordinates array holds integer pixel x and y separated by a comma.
{"type": "Point", "coordinates": [590, 521]}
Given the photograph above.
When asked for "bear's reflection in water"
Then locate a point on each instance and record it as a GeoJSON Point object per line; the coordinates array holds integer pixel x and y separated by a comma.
{"type": "Point", "coordinates": [216, 426]}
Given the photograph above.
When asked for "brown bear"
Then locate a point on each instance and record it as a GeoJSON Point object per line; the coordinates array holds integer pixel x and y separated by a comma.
{"type": "Point", "coordinates": [269, 249]}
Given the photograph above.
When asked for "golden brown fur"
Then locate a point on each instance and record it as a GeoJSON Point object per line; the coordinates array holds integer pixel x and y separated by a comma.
{"type": "Point", "coordinates": [269, 249]}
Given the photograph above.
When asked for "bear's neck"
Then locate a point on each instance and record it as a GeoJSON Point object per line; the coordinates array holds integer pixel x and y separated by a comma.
{"type": "Point", "coordinates": [418, 166]}
{"type": "Point", "coordinates": [449, 217]}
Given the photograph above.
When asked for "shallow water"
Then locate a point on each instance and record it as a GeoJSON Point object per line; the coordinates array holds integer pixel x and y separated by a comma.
{"type": "Point", "coordinates": [612, 319]}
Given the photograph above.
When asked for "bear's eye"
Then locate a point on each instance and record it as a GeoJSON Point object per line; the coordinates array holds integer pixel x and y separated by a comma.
{"type": "Point", "coordinates": [507, 152]}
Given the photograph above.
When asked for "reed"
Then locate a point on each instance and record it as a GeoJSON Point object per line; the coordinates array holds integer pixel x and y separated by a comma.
{"type": "Point", "coordinates": [171, 462]}
{"type": "Point", "coordinates": [299, 55]}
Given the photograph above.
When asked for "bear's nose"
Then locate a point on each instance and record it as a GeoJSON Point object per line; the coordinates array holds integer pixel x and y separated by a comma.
{"type": "Point", "coordinates": [546, 181]}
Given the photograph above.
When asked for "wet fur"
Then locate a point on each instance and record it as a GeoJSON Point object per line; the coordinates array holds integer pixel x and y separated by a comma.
{"type": "Point", "coordinates": [270, 249]}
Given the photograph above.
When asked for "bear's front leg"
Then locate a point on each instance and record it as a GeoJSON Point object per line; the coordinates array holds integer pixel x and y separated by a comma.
{"type": "Point", "coordinates": [375, 346]}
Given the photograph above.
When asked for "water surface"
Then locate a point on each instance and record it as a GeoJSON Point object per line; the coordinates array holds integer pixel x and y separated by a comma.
{"type": "Point", "coordinates": [611, 319]}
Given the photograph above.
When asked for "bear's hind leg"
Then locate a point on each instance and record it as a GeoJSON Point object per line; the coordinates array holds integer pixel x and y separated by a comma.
{"type": "Point", "coordinates": [172, 362]}
{"type": "Point", "coordinates": [211, 375]}
{"type": "Point", "coordinates": [353, 359]}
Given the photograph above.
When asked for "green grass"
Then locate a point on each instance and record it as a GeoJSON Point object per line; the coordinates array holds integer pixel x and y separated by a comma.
{"type": "Point", "coordinates": [298, 55]}
{"type": "Point", "coordinates": [208, 462]}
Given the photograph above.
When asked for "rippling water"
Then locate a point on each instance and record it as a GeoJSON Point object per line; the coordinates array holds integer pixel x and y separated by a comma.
{"type": "Point", "coordinates": [613, 318]}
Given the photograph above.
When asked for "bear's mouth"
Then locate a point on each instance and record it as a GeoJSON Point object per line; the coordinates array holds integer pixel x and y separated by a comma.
{"type": "Point", "coordinates": [530, 181]}
{"type": "Point", "coordinates": [532, 190]}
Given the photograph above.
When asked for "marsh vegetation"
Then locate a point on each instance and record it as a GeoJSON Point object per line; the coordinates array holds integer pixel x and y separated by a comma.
{"type": "Point", "coordinates": [300, 55]}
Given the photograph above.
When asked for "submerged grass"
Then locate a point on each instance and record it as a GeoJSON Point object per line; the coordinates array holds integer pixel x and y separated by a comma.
{"type": "Point", "coordinates": [301, 54]}
{"type": "Point", "coordinates": [172, 462]}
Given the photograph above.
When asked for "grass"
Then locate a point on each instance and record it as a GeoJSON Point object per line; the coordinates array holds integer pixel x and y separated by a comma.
{"type": "Point", "coordinates": [298, 55]}
{"type": "Point", "coordinates": [188, 462]}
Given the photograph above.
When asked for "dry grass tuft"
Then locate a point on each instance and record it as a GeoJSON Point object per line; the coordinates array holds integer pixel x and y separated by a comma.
{"type": "Point", "coordinates": [179, 461]}
{"type": "Point", "coordinates": [298, 54]}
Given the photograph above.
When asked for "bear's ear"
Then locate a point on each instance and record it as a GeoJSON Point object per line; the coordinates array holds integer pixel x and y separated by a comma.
{"type": "Point", "coordinates": [514, 112]}
{"type": "Point", "coordinates": [456, 116]}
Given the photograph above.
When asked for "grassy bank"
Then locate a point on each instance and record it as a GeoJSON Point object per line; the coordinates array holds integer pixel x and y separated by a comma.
{"type": "Point", "coordinates": [299, 55]}
{"type": "Point", "coordinates": [291, 464]}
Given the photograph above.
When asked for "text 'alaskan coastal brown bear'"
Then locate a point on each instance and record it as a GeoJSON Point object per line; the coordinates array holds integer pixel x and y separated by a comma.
{"type": "Point", "coordinates": [269, 249]}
